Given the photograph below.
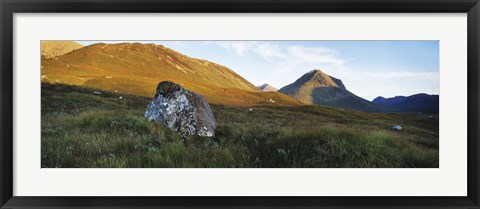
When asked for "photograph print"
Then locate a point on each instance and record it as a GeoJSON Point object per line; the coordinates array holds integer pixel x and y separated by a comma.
{"type": "Point", "coordinates": [239, 104]}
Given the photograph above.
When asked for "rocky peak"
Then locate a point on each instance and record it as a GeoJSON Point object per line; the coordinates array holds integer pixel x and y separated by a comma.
{"type": "Point", "coordinates": [319, 78]}
{"type": "Point", "coordinates": [267, 87]}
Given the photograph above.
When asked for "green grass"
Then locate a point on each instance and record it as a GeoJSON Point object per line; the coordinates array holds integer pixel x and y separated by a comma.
{"type": "Point", "coordinates": [81, 129]}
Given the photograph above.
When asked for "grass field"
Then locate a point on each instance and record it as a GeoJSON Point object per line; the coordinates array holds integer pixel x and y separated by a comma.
{"type": "Point", "coordinates": [81, 129]}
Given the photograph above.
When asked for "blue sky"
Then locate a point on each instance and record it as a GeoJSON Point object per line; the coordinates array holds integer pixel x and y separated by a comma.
{"type": "Point", "coordinates": [367, 68]}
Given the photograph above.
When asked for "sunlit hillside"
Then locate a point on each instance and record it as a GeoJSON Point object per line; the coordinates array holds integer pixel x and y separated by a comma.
{"type": "Point", "coordinates": [136, 68]}
{"type": "Point", "coordinates": [52, 49]}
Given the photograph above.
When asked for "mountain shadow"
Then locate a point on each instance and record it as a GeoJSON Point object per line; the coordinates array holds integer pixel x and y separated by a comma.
{"type": "Point", "coordinates": [415, 103]}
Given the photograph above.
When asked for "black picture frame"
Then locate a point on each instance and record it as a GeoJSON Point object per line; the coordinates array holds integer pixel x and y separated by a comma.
{"type": "Point", "coordinates": [10, 7]}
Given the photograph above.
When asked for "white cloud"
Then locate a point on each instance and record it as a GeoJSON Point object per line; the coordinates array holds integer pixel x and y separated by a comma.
{"type": "Point", "coordinates": [291, 54]}
{"type": "Point", "coordinates": [239, 47]}
{"type": "Point", "coordinates": [315, 55]}
{"type": "Point", "coordinates": [268, 51]}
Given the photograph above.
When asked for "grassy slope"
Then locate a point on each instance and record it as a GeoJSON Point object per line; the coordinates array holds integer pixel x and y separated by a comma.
{"type": "Point", "coordinates": [80, 129]}
{"type": "Point", "coordinates": [52, 49]}
{"type": "Point", "coordinates": [138, 68]}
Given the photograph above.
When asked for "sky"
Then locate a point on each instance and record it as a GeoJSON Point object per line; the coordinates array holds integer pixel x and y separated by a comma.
{"type": "Point", "coordinates": [367, 68]}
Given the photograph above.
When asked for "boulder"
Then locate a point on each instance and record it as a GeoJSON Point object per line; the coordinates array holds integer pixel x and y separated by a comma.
{"type": "Point", "coordinates": [184, 111]}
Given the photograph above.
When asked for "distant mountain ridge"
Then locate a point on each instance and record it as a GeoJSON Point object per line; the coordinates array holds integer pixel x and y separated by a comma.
{"type": "Point", "coordinates": [267, 87]}
{"type": "Point", "coordinates": [317, 87]}
{"type": "Point", "coordinates": [416, 103]}
{"type": "Point", "coordinates": [137, 68]}
{"type": "Point", "coordinates": [51, 49]}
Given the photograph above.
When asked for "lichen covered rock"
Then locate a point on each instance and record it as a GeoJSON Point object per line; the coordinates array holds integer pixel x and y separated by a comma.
{"type": "Point", "coordinates": [184, 111]}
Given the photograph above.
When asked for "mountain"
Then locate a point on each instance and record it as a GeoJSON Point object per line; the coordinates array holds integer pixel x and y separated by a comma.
{"type": "Point", "coordinates": [267, 88]}
{"type": "Point", "coordinates": [136, 68]}
{"type": "Point", "coordinates": [52, 49]}
{"type": "Point", "coordinates": [414, 103]}
{"type": "Point", "coordinates": [316, 87]}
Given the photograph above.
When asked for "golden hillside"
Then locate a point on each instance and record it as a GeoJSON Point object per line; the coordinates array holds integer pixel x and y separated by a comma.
{"type": "Point", "coordinates": [137, 68]}
{"type": "Point", "coordinates": [52, 49]}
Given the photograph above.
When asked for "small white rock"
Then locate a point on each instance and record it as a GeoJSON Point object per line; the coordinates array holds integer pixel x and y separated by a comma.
{"type": "Point", "coordinates": [397, 127]}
